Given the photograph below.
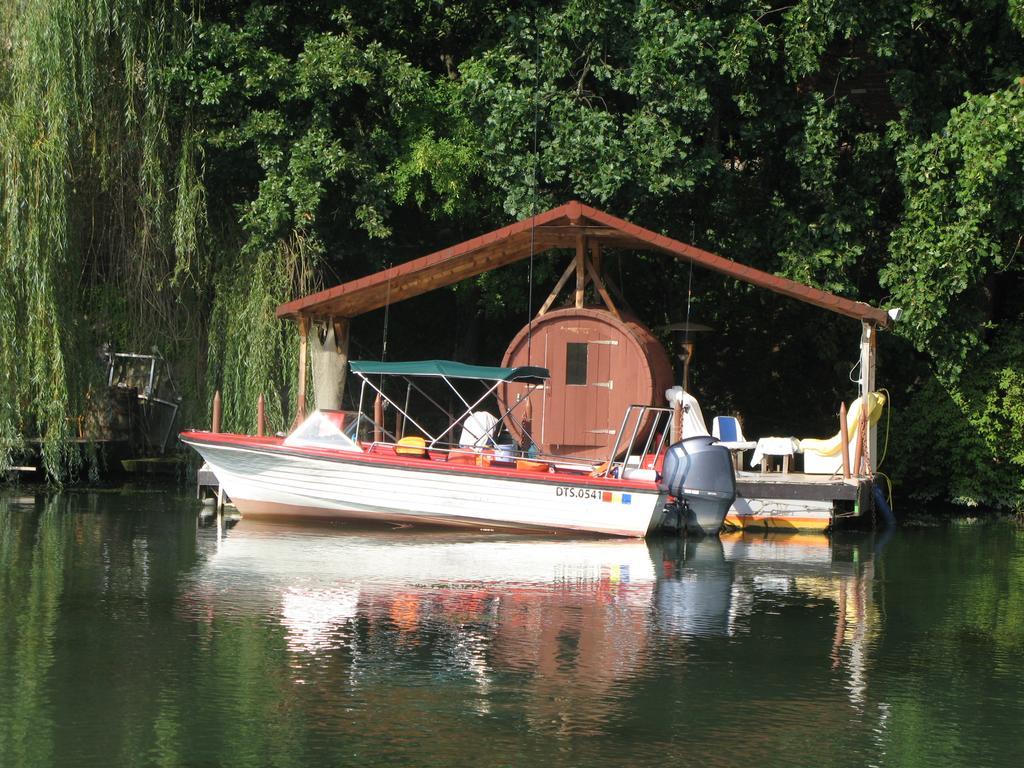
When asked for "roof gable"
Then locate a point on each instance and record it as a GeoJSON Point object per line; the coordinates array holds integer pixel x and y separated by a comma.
{"type": "Point", "coordinates": [560, 227]}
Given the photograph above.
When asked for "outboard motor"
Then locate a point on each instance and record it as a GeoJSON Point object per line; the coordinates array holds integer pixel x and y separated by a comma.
{"type": "Point", "coordinates": [700, 475]}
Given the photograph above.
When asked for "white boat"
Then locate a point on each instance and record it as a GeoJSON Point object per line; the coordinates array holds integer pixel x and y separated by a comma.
{"type": "Point", "coordinates": [323, 469]}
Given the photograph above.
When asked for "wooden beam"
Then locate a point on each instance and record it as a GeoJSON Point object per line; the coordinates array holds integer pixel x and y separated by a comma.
{"type": "Point", "coordinates": [868, 355]}
{"type": "Point", "coordinates": [767, 487]}
{"type": "Point", "coordinates": [712, 261]}
{"type": "Point", "coordinates": [617, 293]}
{"type": "Point", "coordinates": [844, 437]}
{"type": "Point", "coordinates": [602, 290]}
{"type": "Point", "coordinates": [217, 409]}
{"type": "Point", "coordinates": [581, 279]}
{"type": "Point", "coordinates": [426, 280]}
{"type": "Point", "coordinates": [558, 288]}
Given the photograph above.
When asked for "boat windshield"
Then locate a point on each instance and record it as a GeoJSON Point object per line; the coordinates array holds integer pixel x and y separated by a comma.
{"type": "Point", "coordinates": [327, 429]}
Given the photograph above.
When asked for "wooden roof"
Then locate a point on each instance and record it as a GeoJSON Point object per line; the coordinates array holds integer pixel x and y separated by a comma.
{"type": "Point", "coordinates": [561, 227]}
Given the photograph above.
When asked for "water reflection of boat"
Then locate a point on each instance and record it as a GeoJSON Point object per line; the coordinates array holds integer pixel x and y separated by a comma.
{"type": "Point", "coordinates": [572, 615]}
{"type": "Point", "coordinates": [321, 579]}
{"type": "Point", "coordinates": [579, 618]}
{"type": "Point", "coordinates": [374, 557]}
{"type": "Point", "coordinates": [707, 585]}
{"type": "Point", "coordinates": [694, 594]}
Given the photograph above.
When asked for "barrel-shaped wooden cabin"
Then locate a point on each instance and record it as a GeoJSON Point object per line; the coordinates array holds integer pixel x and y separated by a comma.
{"type": "Point", "coordinates": [600, 364]}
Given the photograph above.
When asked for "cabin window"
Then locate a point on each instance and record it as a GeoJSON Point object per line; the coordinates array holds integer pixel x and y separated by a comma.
{"type": "Point", "coordinates": [576, 363]}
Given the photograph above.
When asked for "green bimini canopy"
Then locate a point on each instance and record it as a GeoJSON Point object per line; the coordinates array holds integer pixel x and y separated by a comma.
{"type": "Point", "coordinates": [527, 374]}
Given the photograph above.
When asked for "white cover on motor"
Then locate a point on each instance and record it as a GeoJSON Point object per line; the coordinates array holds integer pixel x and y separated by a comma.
{"type": "Point", "coordinates": [693, 418]}
{"type": "Point", "coordinates": [478, 430]}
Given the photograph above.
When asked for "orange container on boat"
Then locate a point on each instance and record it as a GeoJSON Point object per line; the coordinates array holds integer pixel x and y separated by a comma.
{"type": "Point", "coordinates": [411, 446]}
{"type": "Point", "coordinates": [525, 465]}
{"type": "Point", "coordinates": [462, 457]}
{"type": "Point", "coordinates": [471, 458]}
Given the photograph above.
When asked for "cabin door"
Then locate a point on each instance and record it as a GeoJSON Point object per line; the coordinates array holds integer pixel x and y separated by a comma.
{"type": "Point", "coordinates": [578, 395]}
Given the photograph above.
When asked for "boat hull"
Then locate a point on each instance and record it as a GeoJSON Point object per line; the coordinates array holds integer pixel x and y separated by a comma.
{"type": "Point", "coordinates": [267, 480]}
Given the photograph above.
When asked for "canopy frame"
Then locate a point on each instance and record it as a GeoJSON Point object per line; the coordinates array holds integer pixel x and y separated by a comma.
{"type": "Point", "coordinates": [525, 374]}
{"type": "Point", "coordinates": [529, 380]}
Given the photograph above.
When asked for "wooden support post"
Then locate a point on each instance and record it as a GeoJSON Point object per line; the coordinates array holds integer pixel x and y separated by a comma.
{"type": "Point", "coordinates": [865, 442]}
{"type": "Point", "coordinates": [527, 420]}
{"type": "Point", "coordinates": [300, 400]}
{"type": "Point", "coordinates": [688, 352]}
{"type": "Point", "coordinates": [844, 436]}
{"type": "Point", "coordinates": [868, 361]}
{"type": "Point", "coordinates": [677, 421]}
{"type": "Point", "coordinates": [215, 421]}
{"type": "Point", "coordinates": [558, 288]}
{"type": "Point", "coordinates": [378, 418]}
{"type": "Point", "coordinates": [617, 293]}
{"type": "Point", "coordinates": [605, 296]}
{"type": "Point", "coordinates": [858, 454]}
{"type": "Point", "coordinates": [261, 416]}
{"type": "Point", "coordinates": [581, 280]}
{"type": "Point", "coordinates": [328, 357]}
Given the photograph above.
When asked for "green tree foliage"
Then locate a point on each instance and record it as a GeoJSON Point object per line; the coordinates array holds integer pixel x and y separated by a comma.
{"type": "Point", "coordinates": [956, 268]}
{"type": "Point", "coordinates": [961, 231]}
{"type": "Point", "coordinates": [262, 148]}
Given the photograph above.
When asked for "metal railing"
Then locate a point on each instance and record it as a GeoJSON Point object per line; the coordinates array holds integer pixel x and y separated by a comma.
{"type": "Point", "coordinates": [637, 415]}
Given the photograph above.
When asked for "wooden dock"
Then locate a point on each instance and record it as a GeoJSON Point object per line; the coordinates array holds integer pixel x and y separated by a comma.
{"type": "Point", "coordinates": [797, 501]}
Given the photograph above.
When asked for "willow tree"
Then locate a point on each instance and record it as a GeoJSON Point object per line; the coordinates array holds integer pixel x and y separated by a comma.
{"type": "Point", "coordinates": [101, 202]}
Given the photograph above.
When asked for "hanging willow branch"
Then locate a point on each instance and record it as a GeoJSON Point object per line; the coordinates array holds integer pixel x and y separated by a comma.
{"type": "Point", "coordinates": [101, 203]}
{"type": "Point", "coordinates": [251, 351]}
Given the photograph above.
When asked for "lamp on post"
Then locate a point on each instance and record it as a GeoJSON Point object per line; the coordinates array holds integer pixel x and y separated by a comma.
{"type": "Point", "coordinates": [682, 335]}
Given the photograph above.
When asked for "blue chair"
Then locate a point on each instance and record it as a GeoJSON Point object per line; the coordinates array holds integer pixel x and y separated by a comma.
{"type": "Point", "coordinates": [729, 433]}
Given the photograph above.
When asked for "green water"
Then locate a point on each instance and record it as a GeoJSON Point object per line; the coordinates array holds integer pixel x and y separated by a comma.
{"type": "Point", "coordinates": [131, 633]}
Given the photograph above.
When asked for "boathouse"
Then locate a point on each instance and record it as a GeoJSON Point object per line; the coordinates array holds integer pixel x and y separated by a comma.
{"type": "Point", "coordinates": [601, 358]}
{"type": "Point", "coordinates": [565, 341]}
